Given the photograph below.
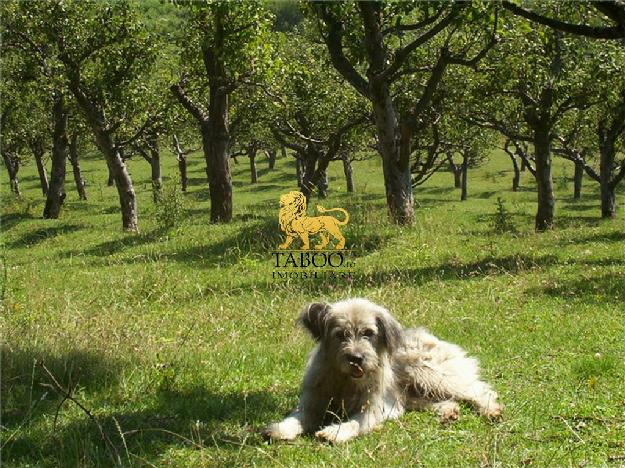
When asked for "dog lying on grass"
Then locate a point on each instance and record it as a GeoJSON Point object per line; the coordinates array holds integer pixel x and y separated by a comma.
{"type": "Point", "coordinates": [366, 369]}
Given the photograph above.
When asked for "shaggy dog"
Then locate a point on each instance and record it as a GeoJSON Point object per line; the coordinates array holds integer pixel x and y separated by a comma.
{"type": "Point", "coordinates": [366, 369]}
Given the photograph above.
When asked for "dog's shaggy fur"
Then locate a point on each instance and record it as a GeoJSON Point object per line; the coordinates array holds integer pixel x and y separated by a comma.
{"type": "Point", "coordinates": [366, 369]}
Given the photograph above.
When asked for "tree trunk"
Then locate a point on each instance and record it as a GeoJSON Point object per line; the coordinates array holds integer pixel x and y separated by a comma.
{"type": "Point", "coordinates": [349, 173]}
{"type": "Point", "coordinates": [456, 171]}
{"type": "Point", "coordinates": [544, 182]}
{"type": "Point", "coordinates": [73, 157]}
{"type": "Point", "coordinates": [12, 165]}
{"type": "Point", "coordinates": [465, 174]}
{"type": "Point", "coordinates": [309, 167]}
{"type": "Point", "coordinates": [283, 150]}
{"type": "Point", "coordinates": [516, 177]}
{"type": "Point", "coordinates": [251, 154]}
{"type": "Point", "coordinates": [38, 151]}
{"type": "Point", "coordinates": [577, 180]}
{"type": "Point", "coordinates": [321, 181]}
{"type": "Point", "coordinates": [523, 165]}
{"type": "Point", "coordinates": [56, 189]}
{"type": "Point", "coordinates": [395, 156]}
{"type": "Point", "coordinates": [216, 140]}
{"type": "Point", "coordinates": [298, 171]}
{"type": "Point", "coordinates": [182, 164]}
{"type": "Point", "coordinates": [271, 158]}
{"type": "Point", "coordinates": [155, 165]}
{"type": "Point", "coordinates": [607, 153]}
{"type": "Point", "coordinates": [111, 180]}
{"type": "Point", "coordinates": [457, 177]}
{"type": "Point", "coordinates": [121, 177]}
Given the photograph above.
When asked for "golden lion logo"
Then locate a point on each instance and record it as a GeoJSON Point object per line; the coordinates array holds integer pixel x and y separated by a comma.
{"type": "Point", "coordinates": [295, 223]}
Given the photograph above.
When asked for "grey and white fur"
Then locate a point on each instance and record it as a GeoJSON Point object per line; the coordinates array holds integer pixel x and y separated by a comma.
{"type": "Point", "coordinates": [366, 369]}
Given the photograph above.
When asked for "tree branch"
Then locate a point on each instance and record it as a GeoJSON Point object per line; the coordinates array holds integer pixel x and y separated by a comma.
{"type": "Point", "coordinates": [195, 110]}
{"type": "Point", "coordinates": [334, 41]}
{"type": "Point", "coordinates": [597, 32]}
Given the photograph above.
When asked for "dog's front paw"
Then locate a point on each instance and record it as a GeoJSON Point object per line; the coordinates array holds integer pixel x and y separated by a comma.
{"type": "Point", "coordinates": [494, 412]}
{"type": "Point", "coordinates": [336, 433]}
{"type": "Point", "coordinates": [277, 431]}
{"type": "Point", "coordinates": [450, 414]}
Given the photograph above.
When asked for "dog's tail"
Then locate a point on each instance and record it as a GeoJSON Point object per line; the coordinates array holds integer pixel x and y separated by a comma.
{"type": "Point", "coordinates": [321, 209]}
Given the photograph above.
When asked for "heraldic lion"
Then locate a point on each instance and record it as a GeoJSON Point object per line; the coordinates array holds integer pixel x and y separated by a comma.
{"type": "Point", "coordinates": [295, 223]}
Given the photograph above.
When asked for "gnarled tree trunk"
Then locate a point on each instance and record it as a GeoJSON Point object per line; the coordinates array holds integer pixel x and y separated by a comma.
{"type": "Point", "coordinates": [181, 157]}
{"type": "Point", "coordinates": [321, 180]}
{"type": "Point", "coordinates": [465, 175]}
{"type": "Point", "coordinates": [110, 182]}
{"type": "Point", "coordinates": [36, 147]}
{"type": "Point", "coordinates": [56, 189]}
{"type": "Point", "coordinates": [395, 163]}
{"type": "Point", "coordinates": [155, 166]}
{"type": "Point", "coordinates": [11, 162]}
{"type": "Point", "coordinates": [577, 180]}
{"type": "Point", "coordinates": [252, 150]}
{"type": "Point", "coordinates": [309, 166]}
{"type": "Point", "coordinates": [123, 182]}
{"type": "Point", "coordinates": [271, 158]}
{"type": "Point", "coordinates": [349, 173]}
{"type": "Point", "coordinates": [516, 177]}
{"type": "Point", "coordinates": [544, 181]}
{"type": "Point", "coordinates": [216, 140]}
{"type": "Point", "coordinates": [456, 170]}
{"type": "Point", "coordinates": [73, 157]}
{"type": "Point", "coordinates": [299, 171]}
{"type": "Point", "coordinates": [607, 154]}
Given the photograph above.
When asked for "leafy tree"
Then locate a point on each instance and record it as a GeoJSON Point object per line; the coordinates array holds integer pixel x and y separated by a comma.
{"type": "Point", "coordinates": [101, 53]}
{"type": "Point", "coordinates": [308, 91]}
{"type": "Point", "coordinates": [536, 77]}
{"type": "Point", "coordinates": [224, 43]}
{"type": "Point", "coordinates": [389, 41]}
{"type": "Point", "coordinates": [25, 119]}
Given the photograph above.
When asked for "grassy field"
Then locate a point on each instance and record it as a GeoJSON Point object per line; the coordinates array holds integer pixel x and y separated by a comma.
{"type": "Point", "coordinates": [181, 345]}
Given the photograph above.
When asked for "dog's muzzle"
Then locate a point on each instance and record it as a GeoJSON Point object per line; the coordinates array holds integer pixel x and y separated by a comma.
{"type": "Point", "coordinates": [355, 365]}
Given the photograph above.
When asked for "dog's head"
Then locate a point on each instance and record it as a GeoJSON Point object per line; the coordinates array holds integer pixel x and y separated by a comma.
{"type": "Point", "coordinates": [355, 333]}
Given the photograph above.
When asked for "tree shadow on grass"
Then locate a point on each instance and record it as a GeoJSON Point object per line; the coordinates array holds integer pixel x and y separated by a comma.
{"type": "Point", "coordinates": [575, 221]}
{"type": "Point", "coordinates": [607, 288]}
{"type": "Point", "coordinates": [263, 187]}
{"type": "Point", "coordinates": [489, 266]}
{"type": "Point", "coordinates": [259, 239]}
{"type": "Point", "coordinates": [31, 238]}
{"type": "Point", "coordinates": [575, 206]}
{"type": "Point", "coordinates": [23, 396]}
{"type": "Point", "coordinates": [192, 418]}
{"type": "Point", "coordinates": [118, 245]}
{"type": "Point", "coordinates": [487, 194]}
{"type": "Point", "coordinates": [437, 190]}
{"type": "Point", "coordinates": [10, 220]}
{"type": "Point", "coordinates": [615, 236]}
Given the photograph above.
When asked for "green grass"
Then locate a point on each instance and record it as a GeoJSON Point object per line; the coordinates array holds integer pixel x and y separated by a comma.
{"type": "Point", "coordinates": [182, 346]}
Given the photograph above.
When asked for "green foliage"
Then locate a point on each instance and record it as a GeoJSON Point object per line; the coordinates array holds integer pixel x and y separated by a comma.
{"type": "Point", "coordinates": [171, 207]}
{"type": "Point", "coordinates": [562, 181]}
{"type": "Point", "coordinates": [502, 220]}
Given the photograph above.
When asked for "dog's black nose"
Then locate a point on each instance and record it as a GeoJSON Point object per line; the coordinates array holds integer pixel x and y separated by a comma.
{"type": "Point", "coordinates": [355, 358]}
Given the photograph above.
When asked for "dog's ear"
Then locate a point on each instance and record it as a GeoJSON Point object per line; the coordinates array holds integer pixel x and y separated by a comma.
{"type": "Point", "coordinates": [313, 318]}
{"type": "Point", "coordinates": [390, 330]}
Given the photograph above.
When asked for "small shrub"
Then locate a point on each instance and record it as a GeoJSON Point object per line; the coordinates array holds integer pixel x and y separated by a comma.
{"type": "Point", "coordinates": [562, 182]}
{"type": "Point", "coordinates": [170, 207]}
{"type": "Point", "coordinates": [502, 221]}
